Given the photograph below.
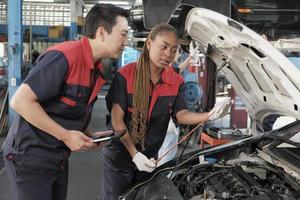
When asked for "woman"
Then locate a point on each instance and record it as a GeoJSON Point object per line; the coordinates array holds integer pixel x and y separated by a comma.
{"type": "Point", "coordinates": [172, 134]}
{"type": "Point", "coordinates": [142, 98]}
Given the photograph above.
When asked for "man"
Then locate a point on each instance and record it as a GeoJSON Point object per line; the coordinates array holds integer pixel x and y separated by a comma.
{"type": "Point", "coordinates": [54, 106]}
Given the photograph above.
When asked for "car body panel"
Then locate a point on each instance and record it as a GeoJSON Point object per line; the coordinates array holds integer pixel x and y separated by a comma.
{"type": "Point", "coordinates": [263, 78]}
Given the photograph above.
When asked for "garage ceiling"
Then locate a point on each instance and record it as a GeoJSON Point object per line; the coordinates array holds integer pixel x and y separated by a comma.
{"type": "Point", "coordinates": [122, 3]}
{"type": "Point", "coordinates": [93, 1]}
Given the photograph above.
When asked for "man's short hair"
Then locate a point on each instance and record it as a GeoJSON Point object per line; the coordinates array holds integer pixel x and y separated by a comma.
{"type": "Point", "coordinates": [103, 15]}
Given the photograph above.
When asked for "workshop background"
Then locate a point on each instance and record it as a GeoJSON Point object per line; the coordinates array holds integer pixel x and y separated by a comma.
{"type": "Point", "coordinates": [29, 27]}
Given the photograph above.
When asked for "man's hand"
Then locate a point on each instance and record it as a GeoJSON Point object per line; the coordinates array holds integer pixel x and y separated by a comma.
{"type": "Point", "coordinates": [220, 109]}
{"type": "Point", "coordinates": [143, 163]}
{"type": "Point", "coordinates": [78, 141]}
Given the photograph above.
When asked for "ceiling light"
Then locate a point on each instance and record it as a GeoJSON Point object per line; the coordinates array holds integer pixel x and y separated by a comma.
{"type": "Point", "coordinates": [245, 10]}
{"type": "Point", "coordinates": [125, 3]}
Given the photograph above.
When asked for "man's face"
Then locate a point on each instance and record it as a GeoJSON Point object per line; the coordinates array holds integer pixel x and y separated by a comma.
{"type": "Point", "coordinates": [117, 39]}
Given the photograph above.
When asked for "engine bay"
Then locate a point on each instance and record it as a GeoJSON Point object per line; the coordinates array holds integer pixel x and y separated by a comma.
{"type": "Point", "coordinates": [234, 180]}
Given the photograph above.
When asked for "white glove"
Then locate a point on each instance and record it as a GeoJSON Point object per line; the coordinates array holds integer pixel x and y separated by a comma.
{"type": "Point", "coordinates": [193, 49]}
{"type": "Point", "coordinates": [143, 163]}
{"type": "Point", "coordinates": [220, 109]}
{"type": "Point", "coordinates": [195, 54]}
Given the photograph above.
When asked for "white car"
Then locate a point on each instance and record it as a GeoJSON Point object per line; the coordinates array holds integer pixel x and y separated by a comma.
{"type": "Point", "coordinates": [258, 165]}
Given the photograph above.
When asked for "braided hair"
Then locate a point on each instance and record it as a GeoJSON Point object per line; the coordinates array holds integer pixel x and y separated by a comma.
{"type": "Point", "coordinates": [141, 94]}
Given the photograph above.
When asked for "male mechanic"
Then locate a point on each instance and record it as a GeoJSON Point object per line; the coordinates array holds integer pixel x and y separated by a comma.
{"type": "Point", "coordinates": [54, 106]}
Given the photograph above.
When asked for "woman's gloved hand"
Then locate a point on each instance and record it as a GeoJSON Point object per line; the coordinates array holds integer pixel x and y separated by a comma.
{"type": "Point", "coordinates": [220, 109]}
{"type": "Point", "coordinates": [143, 163]}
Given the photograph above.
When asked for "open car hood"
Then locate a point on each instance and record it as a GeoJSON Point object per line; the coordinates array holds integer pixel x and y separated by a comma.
{"type": "Point", "coordinates": [265, 80]}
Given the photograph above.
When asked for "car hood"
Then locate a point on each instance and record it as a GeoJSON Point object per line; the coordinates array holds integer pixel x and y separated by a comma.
{"type": "Point", "coordinates": [265, 80]}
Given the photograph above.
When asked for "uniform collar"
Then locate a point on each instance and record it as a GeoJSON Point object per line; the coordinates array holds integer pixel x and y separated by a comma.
{"type": "Point", "coordinates": [167, 76]}
{"type": "Point", "coordinates": [88, 55]}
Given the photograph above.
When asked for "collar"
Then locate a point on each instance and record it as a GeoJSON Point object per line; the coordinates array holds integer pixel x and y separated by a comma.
{"type": "Point", "coordinates": [167, 76]}
{"type": "Point", "coordinates": [88, 55]}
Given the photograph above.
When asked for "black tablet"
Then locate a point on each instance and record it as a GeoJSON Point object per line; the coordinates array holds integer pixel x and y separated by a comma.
{"type": "Point", "coordinates": [109, 135]}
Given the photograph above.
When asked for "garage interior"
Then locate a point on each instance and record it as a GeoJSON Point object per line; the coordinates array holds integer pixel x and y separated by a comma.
{"type": "Point", "coordinates": [29, 27]}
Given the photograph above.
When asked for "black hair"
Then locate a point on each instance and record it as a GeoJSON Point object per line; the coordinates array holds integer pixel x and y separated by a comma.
{"type": "Point", "coordinates": [103, 15]}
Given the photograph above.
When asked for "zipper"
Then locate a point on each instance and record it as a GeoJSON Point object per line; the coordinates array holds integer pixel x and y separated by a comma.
{"type": "Point", "coordinates": [93, 81]}
{"type": "Point", "coordinates": [63, 162]}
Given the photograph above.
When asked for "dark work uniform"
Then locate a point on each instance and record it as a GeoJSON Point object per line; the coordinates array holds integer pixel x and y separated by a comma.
{"type": "Point", "coordinates": [120, 172]}
{"type": "Point", "coordinates": [66, 82]}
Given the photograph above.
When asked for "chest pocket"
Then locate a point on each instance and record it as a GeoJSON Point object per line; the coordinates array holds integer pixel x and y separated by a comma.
{"type": "Point", "coordinates": [163, 106]}
{"type": "Point", "coordinates": [74, 100]}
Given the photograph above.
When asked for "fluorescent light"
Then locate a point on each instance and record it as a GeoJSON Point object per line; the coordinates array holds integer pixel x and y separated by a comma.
{"type": "Point", "coordinates": [125, 3]}
{"type": "Point", "coordinates": [42, 1]}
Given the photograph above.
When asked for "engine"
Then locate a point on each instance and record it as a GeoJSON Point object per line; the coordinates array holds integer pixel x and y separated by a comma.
{"type": "Point", "coordinates": [244, 180]}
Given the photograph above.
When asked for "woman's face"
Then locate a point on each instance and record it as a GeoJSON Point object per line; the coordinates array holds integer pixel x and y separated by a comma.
{"type": "Point", "coordinates": [162, 49]}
